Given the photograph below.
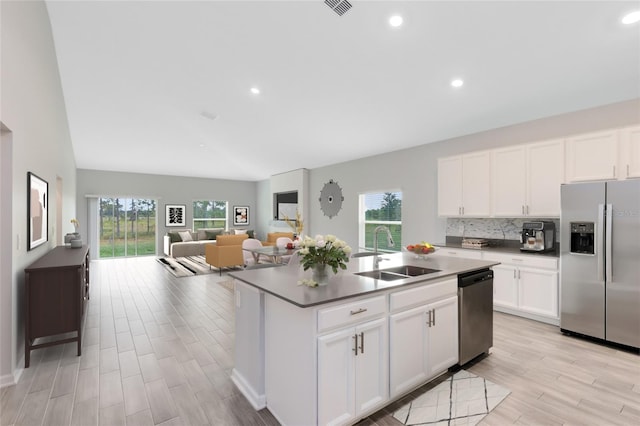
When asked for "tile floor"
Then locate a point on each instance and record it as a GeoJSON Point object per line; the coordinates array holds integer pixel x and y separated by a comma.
{"type": "Point", "coordinates": [158, 350]}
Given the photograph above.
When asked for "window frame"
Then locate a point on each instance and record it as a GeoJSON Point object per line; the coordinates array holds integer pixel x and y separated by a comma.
{"type": "Point", "coordinates": [362, 222]}
{"type": "Point", "coordinates": [195, 220]}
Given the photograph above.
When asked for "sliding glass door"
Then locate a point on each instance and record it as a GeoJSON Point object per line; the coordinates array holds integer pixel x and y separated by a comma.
{"type": "Point", "coordinates": [127, 227]}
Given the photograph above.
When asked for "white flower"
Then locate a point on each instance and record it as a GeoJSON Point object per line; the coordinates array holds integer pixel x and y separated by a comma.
{"type": "Point", "coordinates": [309, 242]}
{"type": "Point", "coordinates": [319, 237]}
{"type": "Point", "coordinates": [320, 244]}
{"type": "Point", "coordinates": [347, 250]}
{"type": "Point", "coordinates": [303, 251]}
{"type": "Point", "coordinates": [339, 243]}
{"type": "Point", "coordinates": [330, 238]}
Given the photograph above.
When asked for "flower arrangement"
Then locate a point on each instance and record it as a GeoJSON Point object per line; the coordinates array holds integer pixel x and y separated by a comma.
{"type": "Point", "coordinates": [76, 224]}
{"type": "Point", "coordinates": [322, 252]}
{"type": "Point", "coordinates": [421, 248]}
{"type": "Point", "coordinates": [296, 225]}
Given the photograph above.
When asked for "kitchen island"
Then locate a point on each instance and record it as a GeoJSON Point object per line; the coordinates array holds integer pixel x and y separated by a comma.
{"type": "Point", "coordinates": [337, 353]}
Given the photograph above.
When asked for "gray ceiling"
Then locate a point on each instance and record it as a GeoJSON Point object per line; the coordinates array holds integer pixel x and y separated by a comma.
{"type": "Point", "coordinates": [143, 80]}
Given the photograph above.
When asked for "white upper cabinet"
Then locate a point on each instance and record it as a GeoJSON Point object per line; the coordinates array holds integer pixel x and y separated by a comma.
{"type": "Point", "coordinates": [464, 185]}
{"type": "Point", "coordinates": [526, 179]}
{"type": "Point", "coordinates": [509, 181]}
{"type": "Point", "coordinates": [630, 152]}
{"type": "Point", "coordinates": [545, 174]}
{"type": "Point", "coordinates": [592, 156]}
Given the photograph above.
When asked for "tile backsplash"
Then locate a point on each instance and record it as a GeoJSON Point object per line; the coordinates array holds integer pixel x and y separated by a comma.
{"type": "Point", "coordinates": [494, 228]}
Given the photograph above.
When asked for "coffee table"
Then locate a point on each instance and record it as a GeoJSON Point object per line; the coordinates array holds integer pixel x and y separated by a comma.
{"type": "Point", "coordinates": [274, 253]}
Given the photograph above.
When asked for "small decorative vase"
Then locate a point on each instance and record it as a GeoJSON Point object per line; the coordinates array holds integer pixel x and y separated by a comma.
{"type": "Point", "coordinates": [320, 273]}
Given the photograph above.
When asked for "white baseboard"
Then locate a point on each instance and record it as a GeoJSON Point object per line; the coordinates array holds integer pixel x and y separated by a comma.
{"type": "Point", "coordinates": [11, 379]}
{"type": "Point", "coordinates": [258, 402]}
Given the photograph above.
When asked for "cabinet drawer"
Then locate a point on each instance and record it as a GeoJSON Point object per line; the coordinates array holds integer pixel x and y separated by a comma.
{"type": "Point", "coordinates": [531, 261]}
{"type": "Point", "coordinates": [424, 294]}
{"type": "Point", "coordinates": [351, 312]}
{"type": "Point", "coordinates": [466, 254]}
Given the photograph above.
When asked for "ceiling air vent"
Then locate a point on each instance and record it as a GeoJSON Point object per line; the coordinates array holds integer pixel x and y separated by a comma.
{"type": "Point", "coordinates": [338, 6]}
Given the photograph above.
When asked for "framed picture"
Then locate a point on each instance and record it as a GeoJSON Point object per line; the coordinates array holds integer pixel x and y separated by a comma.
{"type": "Point", "coordinates": [240, 215]}
{"type": "Point", "coordinates": [175, 214]}
{"type": "Point", "coordinates": [37, 211]}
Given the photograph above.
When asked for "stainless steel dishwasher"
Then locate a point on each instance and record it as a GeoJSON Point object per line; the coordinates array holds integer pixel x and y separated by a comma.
{"type": "Point", "coordinates": [475, 314]}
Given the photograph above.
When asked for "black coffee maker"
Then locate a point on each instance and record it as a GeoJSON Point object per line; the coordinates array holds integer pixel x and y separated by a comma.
{"type": "Point", "coordinates": [538, 236]}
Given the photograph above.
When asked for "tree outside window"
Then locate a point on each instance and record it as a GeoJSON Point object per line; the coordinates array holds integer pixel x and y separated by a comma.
{"type": "Point", "coordinates": [209, 214]}
{"type": "Point", "coordinates": [380, 208]}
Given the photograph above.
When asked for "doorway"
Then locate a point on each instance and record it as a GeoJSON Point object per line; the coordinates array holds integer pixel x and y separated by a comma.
{"type": "Point", "coordinates": [126, 227]}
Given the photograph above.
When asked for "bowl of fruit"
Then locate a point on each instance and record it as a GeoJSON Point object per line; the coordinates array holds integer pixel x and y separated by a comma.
{"type": "Point", "coordinates": [421, 249]}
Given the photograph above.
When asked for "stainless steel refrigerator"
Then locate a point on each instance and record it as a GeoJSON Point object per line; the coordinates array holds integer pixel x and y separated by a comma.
{"type": "Point", "coordinates": [600, 260]}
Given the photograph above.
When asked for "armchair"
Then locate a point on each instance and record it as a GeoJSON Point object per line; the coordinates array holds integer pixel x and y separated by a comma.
{"type": "Point", "coordinates": [272, 237]}
{"type": "Point", "coordinates": [226, 252]}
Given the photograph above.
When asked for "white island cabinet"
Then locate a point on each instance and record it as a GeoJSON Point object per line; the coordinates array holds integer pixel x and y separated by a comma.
{"type": "Point", "coordinates": [333, 355]}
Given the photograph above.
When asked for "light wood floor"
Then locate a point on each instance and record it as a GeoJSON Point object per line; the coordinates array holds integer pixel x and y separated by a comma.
{"type": "Point", "coordinates": [159, 350]}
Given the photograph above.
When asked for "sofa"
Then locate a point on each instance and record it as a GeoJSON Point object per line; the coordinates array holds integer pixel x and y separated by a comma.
{"type": "Point", "coordinates": [176, 245]}
{"type": "Point", "coordinates": [226, 252]}
{"type": "Point", "coordinates": [272, 237]}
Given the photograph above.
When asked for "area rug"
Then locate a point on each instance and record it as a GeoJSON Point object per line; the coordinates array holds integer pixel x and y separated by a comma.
{"type": "Point", "coordinates": [463, 399]}
{"type": "Point", "coordinates": [187, 266]}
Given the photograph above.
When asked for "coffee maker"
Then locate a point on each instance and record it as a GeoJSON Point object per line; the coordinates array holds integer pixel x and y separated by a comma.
{"type": "Point", "coordinates": [538, 236]}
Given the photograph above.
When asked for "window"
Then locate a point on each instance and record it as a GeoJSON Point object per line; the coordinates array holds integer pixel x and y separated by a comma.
{"type": "Point", "coordinates": [209, 214]}
{"type": "Point", "coordinates": [127, 227]}
{"type": "Point", "coordinates": [377, 209]}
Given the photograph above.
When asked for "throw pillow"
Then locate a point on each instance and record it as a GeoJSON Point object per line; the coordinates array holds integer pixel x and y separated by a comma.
{"type": "Point", "coordinates": [186, 236]}
{"type": "Point", "coordinates": [174, 237]}
{"type": "Point", "coordinates": [239, 231]}
{"type": "Point", "coordinates": [211, 235]}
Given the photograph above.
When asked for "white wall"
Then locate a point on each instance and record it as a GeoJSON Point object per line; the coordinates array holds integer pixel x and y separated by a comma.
{"type": "Point", "coordinates": [167, 190]}
{"type": "Point", "coordinates": [414, 171]}
{"type": "Point", "coordinates": [33, 110]}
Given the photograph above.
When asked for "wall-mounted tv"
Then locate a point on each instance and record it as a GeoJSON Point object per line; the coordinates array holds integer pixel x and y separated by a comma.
{"type": "Point", "coordinates": [285, 203]}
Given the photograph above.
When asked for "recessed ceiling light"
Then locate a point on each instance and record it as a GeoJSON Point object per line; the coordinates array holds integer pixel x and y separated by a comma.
{"type": "Point", "coordinates": [395, 21]}
{"type": "Point", "coordinates": [255, 90]}
{"type": "Point", "coordinates": [631, 18]}
{"type": "Point", "coordinates": [457, 82]}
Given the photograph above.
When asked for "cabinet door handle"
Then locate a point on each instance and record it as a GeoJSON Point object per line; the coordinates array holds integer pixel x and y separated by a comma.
{"type": "Point", "coordinates": [361, 342]}
{"type": "Point", "coordinates": [433, 317]}
{"type": "Point", "coordinates": [463, 210]}
{"type": "Point", "coordinates": [518, 273]}
{"type": "Point", "coordinates": [527, 210]}
{"type": "Point", "coordinates": [355, 344]}
{"type": "Point", "coordinates": [429, 318]}
{"type": "Point", "coordinates": [514, 274]}
{"type": "Point", "coordinates": [627, 170]}
{"type": "Point", "coordinates": [522, 209]}
{"type": "Point", "coordinates": [614, 171]}
{"type": "Point", "coordinates": [359, 311]}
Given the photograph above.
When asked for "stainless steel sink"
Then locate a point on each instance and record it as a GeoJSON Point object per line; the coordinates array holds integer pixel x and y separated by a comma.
{"type": "Point", "coordinates": [397, 273]}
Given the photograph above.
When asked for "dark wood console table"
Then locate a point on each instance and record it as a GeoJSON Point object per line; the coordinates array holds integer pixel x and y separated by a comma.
{"type": "Point", "coordinates": [56, 292]}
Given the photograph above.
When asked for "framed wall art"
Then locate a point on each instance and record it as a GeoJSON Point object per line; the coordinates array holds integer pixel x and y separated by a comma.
{"type": "Point", "coordinates": [240, 215]}
{"type": "Point", "coordinates": [37, 211]}
{"type": "Point", "coordinates": [175, 215]}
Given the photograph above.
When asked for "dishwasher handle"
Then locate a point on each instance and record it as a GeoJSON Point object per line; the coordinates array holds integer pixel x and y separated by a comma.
{"type": "Point", "coordinates": [465, 280]}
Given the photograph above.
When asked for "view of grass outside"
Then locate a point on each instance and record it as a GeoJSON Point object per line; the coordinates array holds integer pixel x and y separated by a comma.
{"type": "Point", "coordinates": [209, 214]}
{"type": "Point", "coordinates": [127, 227]}
{"type": "Point", "coordinates": [382, 209]}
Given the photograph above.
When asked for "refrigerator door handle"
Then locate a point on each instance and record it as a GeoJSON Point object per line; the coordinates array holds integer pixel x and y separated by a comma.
{"type": "Point", "coordinates": [599, 238]}
{"type": "Point", "coordinates": [608, 242]}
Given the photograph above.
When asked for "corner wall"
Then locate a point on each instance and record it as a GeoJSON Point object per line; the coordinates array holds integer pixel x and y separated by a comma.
{"type": "Point", "coordinates": [33, 110]}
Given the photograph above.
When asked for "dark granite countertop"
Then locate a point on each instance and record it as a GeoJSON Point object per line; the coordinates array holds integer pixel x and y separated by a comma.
{"type": "Point", "coordinates": [498, 246]}
{"type": "Point", "coordinates": [282, 282]}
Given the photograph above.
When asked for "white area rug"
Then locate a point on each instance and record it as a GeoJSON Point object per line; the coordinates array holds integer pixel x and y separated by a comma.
{"type": "Point", "coordinates": [463, 399]}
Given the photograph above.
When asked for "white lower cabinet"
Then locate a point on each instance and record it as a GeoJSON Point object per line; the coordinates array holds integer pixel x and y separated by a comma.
{"type": "Point", "coordinates": [352, 372]}
{"type": "Point", "coordinates": [423, 343]}
{"type": "Point", "coordinates": [526, 290]}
